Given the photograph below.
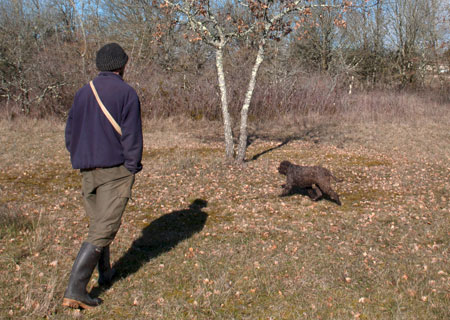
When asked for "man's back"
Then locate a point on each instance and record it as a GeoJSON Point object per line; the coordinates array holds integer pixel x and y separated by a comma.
{"type": "Point", "coordinates": [91, 139]}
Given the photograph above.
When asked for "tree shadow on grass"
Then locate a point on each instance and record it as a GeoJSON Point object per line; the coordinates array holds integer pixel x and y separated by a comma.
{"type": "Point", "coordinates": [159, 237]}
{"type": "Point", "coordinates": [314, 134]}
{"type": "Point", "coordinates": [256, 156]}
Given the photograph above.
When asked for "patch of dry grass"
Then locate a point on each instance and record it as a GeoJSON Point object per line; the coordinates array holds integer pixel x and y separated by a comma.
{"type": "Point", "coordinates": [248, 254]}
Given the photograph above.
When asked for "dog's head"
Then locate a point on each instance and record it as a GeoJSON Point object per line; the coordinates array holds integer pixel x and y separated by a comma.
{"type": "Point", "coordinates": [283, 167]}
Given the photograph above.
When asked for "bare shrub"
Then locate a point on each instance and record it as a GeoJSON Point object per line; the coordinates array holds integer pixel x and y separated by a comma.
{"type": "Point", "coordinates": [393, 106]}
{"type": "Point", "coordinates": [300, 95]}
{"type": "Point", "coordinates": [43, 84]}
{"type": "Point", "coordinates": [167, 94]}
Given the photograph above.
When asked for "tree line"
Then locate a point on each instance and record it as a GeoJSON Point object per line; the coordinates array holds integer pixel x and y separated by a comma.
{"type": "Point", "coordinates": [47, 49]}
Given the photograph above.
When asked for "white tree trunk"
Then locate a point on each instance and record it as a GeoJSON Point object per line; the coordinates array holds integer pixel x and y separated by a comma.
{"type": "Point", "coordinates": [242, 147]}
{"type": "Point", "coordinates": [229, 145]}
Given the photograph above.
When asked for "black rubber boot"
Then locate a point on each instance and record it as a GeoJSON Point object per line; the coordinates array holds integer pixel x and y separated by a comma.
{"type": "Point", "coordinates": [105, 272]}
{"type": "Point", "coordinates": [76, 295]}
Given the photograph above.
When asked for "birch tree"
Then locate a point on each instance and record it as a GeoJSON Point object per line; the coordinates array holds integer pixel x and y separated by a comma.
{"type": "Point", "coordinates": [217, 24]}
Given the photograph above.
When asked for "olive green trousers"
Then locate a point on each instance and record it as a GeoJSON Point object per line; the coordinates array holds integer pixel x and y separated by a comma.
{"type": "Point", "coordinates": [106, 192]}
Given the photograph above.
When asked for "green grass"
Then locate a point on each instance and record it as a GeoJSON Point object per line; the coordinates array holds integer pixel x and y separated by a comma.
{"type": "Point", "coordinates": [248, 254]}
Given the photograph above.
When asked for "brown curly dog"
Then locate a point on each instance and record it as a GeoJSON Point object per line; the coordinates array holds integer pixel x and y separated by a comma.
{"type": "Point", "coordinates": [317, 180]}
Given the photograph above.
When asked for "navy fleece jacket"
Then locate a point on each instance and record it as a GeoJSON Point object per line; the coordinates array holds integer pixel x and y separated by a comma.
{"type": "Point", "coordinates": [91, 139]}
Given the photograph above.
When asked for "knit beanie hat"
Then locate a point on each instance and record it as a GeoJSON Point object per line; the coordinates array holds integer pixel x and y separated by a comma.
{"type": "Point", "coordinates": [110, 57]}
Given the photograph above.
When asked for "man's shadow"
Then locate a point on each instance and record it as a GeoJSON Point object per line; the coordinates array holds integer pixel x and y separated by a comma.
{"type": "Point", "coordinates": [158, 237]}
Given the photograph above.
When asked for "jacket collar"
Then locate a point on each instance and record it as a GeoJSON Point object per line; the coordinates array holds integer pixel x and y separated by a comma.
{"type": "Point", "coordinates": [109, 74]}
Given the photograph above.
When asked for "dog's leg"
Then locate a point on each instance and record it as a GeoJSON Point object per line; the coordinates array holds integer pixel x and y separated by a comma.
{"type": "Point", "coordinates": [311, 193]}
{"type": "Point", "coordinates": [317, 191]}
{"type": "Point", "coordinates": [326, 188]}
{"type": "Point", "coordinates": [286, 190]}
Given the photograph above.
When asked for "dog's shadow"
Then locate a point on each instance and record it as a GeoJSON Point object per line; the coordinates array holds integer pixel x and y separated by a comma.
{"type": "Point", "coordinates": [159, 237]}
{"type": "Point", "coordinates": [308, 192]}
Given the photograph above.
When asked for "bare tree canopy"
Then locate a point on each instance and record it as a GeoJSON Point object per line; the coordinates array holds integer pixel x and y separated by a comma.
{"type": "Point", "coordinates": [219, 59]}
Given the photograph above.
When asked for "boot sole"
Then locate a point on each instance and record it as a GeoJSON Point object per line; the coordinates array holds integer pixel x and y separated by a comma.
{"type": "Point", "coordinates": [75, 304]}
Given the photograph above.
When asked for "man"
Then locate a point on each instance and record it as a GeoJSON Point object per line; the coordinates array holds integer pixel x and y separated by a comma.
{"type": "Point", "coordinates": [108, 156]}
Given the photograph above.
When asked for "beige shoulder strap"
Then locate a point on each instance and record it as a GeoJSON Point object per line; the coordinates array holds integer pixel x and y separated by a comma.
{"type": "Point", "coordinates": [105, 111]}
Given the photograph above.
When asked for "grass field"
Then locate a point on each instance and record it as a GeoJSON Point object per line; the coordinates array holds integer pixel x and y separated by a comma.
{"type": "Point", "coordinates": [248, 253]}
